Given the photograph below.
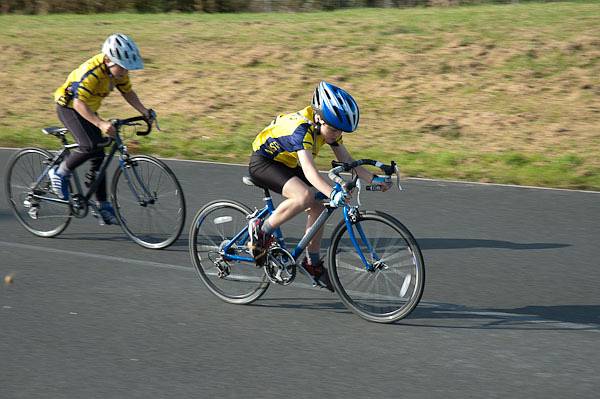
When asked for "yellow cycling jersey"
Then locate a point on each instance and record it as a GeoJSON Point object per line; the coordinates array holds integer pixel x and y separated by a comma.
{"type": "Point", "coordinates": [288, 134]}
{"type": "Point", "coordinates": [90, 83]}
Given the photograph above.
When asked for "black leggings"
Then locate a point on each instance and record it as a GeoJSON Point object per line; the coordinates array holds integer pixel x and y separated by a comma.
{"type": "Point", "coordinates": [88, 137]}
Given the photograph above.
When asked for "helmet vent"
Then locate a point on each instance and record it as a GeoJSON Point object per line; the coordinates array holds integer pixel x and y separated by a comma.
{"type": "Point", "coordinates": [123, 51]}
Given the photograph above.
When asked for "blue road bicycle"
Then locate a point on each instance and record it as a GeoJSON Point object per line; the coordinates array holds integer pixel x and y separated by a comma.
{"type": "Point", "coordinates": [146, 195]}
{"type": "Point", "coordinates": [374, 262]}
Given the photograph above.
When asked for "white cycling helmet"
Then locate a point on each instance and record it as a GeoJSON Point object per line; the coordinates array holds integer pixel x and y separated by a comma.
{"type": "Point", "coordinates": [123, 51]}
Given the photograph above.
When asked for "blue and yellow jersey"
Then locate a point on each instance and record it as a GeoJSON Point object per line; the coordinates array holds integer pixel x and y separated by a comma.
{"type": "Point", "coordinates": [90, 83]}
{"type": "Point", "coordinates": [288, 134]}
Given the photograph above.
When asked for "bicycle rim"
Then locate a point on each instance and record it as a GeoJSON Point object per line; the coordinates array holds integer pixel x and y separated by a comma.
{"type": "Point", "coordinates": [214, 226]}
{"type": "Point", "coordinates": [149, 202]}
{"type": "Point", "coordinates": [388, 293]}
{"type": "Point", "coordinates": [47, 219]}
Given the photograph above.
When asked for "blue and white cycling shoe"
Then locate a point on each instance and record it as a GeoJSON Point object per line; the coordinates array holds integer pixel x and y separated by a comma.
{"type": "Point", "coordinates": [107, 214]}
{"type": "Point", "coordinates": [60, 183]}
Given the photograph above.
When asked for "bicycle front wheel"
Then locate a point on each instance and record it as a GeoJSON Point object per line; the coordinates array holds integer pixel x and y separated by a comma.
{"type": "Point", "coordinates": [394, 287]}
{"type": "Point", "coordinates": [148, 201]}
{"type": "Point", "coordinates": [41, 217]}
{"type": "Point", "coordinates": [213, 228]}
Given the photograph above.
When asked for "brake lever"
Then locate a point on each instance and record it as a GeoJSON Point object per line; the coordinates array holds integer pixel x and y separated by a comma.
{"type": "Point", "coordinates": [359, 188]}
{"type": "Point", "coordinates": [397, 172]}
{"type": "Point", "coordinates": [154, 119]}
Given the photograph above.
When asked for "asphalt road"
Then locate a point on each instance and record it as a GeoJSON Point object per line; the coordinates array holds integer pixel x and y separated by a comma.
{"type": "Point", "coordinates": [511, 307]}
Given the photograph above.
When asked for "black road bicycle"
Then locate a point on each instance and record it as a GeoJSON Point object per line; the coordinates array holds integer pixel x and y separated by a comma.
{"type": "Point", "coordinates": [146, 195]}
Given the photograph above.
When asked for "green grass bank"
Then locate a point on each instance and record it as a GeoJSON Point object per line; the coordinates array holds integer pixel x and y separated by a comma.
{"type": "Point", "coordinates": [494, 93]}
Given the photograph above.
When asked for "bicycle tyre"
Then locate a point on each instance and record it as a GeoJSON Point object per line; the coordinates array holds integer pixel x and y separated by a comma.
{"type": "Point", "coordinates": [22, 171]}
{"type": "Point", "coordinates": [383, 295]}
{"type": "Point", "coordinates": [137, 220]}
{"type": "Point", "coordinates": [214, 224]}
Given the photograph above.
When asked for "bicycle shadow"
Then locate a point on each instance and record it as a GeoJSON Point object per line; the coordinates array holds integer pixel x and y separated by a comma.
{"type": "Point", "coordinates": [7, 214]}
{"type": "Point", "coordinates": [119, 236]}
{"type": "Point", "coordinates": [465, 243]}
{"type": "Point", "coordinates": [551, 318]}
{"type": "Point", "coordinates": [442, 315]}
{"type": "Point", "coordinates": [426, 243]}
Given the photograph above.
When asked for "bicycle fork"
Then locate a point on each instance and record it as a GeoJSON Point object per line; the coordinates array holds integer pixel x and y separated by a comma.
{"type": "Point", "coordinates": [146, 198]}
{"type": "Point", "coordinates": [351, 217]}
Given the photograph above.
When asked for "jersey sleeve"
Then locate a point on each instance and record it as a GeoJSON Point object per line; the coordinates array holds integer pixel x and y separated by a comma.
{"type": "Point", "coordinates": [300, 139]}
{"type": "Point", "coordinates": [124, 84]}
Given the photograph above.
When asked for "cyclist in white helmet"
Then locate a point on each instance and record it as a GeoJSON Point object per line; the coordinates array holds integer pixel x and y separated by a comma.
{"type": "Point", "coordinates": [78, 101]}
{"type": "Point", "coordinates": [283, 161]}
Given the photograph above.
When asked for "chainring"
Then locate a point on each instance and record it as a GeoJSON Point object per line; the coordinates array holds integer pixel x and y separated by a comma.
{"type": "Point", "coordinates": [280, 267]}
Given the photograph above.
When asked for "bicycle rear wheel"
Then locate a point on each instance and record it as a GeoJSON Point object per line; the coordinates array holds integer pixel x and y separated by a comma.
{"type": "Point", "coordinates": [213, 227]}
{"type": "Point", "coordinates": [394, 288]}
{"type": "Point", "coordinates": [149, 202]}
{"type": "Point", "coordinates": [40, 217]}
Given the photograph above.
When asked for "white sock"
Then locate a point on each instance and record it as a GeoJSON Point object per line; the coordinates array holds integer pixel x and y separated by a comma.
{"type": "Point", "coordinates": [63, 170]}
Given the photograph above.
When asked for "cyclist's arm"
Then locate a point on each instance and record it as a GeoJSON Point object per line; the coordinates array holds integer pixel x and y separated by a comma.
{"type": "Point", "coordinates": [342, 155]}
{"type": "Point", "coordinates": [312, 174]}
{"type": "Point", "coordinates": [133, 100]}
{"type": "Point", "coordinates": [85, 111]}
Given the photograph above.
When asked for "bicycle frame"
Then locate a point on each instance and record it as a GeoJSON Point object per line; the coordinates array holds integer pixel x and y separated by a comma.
{"type": "Point", "coordinates": [117, 145]}
{"type": "Point", "coordinates": [350, 219]}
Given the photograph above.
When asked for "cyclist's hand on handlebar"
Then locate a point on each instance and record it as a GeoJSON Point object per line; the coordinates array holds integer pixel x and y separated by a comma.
{"type": "Point", "coordinates": [385, 182]}
{"type": "Point", "coordinates": [148, 114]}
{"type": "Point", "coordinates": [337, 197]}
{"type": "Point", "coordinates": [107, 128]}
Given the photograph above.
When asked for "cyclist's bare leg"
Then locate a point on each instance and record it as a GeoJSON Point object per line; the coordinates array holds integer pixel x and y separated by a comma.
{"type": "Point", "coordinates": [298, 196]}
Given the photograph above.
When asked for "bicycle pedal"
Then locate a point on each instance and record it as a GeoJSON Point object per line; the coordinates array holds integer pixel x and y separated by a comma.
{"type": "Point", "coordinates": [33, 212]}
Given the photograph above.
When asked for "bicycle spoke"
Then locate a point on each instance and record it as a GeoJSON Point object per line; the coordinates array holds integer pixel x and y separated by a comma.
{"type": "Point", "coordinates": [158, 223]}
{"type": "Point", "coordinates": [392, 289]}
{"type": "Point", "coordinates": [43, 218]}
{"type": "Point", "coordinates": [232, 281]}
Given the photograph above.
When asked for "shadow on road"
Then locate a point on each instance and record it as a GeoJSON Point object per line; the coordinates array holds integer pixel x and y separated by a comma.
{"type": "Point", "coordinates": [550, 318]}
{"type": "Point", "coordinates": [425, 243]}
{"type": "Point", "coordinates": [555, 317]}
{"type": "Point", "coordinates": [303, 303]}
{"type": "Point", "coordinates": [6, 214]}
{"type": "Point", "coordinates": [119, 236]}
{"type": "Point", "coordinates": [462, 243]}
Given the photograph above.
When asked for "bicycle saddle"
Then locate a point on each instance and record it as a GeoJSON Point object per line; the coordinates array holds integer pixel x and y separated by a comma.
{"type": "Point", "coordinates": [249, 182]}
{"type": "Point", "coordinates": [55, 131]}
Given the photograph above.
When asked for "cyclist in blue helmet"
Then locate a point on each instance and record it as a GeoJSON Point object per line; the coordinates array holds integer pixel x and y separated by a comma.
{"type": "Point", "coordinates": [283, 161]}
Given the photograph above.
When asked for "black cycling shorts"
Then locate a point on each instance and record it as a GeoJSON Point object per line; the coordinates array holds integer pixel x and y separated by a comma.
{"type": "Point", "coordinates": [272, 174]}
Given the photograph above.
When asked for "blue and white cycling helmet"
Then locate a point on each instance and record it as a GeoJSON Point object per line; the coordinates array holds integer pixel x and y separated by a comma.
{"type": "Point", "coordinates": [123, 51]}
{"type": "Point", "coordinates": [336, 107]}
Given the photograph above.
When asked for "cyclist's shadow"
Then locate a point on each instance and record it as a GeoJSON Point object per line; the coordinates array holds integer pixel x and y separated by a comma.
{"type": "Point", "coordinates": [439, 315]}
{"type": "Point", "coordinates": [465, 243]}
{"type": "Point", "coordinates": [553, 317]}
